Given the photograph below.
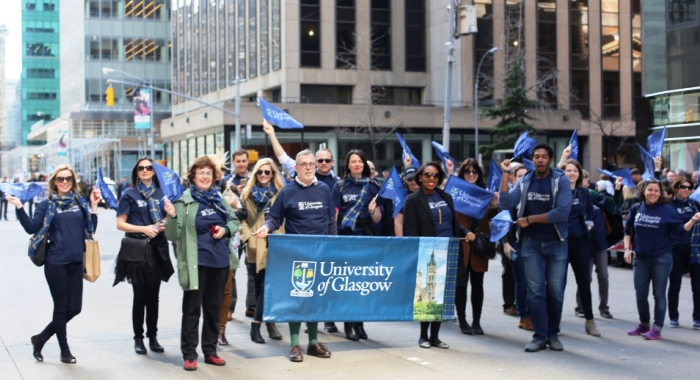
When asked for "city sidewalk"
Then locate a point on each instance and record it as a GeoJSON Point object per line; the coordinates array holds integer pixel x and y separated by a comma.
{"type": "Point", "coordinates": [101, 336]}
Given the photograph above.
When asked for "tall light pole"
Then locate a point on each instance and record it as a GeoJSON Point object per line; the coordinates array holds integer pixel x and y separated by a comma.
{"type": "Point", "coordinates": [476, 104]}
{"type": "Point", "coordinates": [452, 8]}
{"type": "Point", "coordinates": [237, 142]}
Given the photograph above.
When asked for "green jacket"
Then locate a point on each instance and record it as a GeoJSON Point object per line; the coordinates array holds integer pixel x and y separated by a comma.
{"type": "Point", "coordinates": [182, 230]}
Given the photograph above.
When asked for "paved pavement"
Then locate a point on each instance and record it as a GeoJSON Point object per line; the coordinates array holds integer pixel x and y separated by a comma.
{"type": "Point", "coordinates": [101, 336]}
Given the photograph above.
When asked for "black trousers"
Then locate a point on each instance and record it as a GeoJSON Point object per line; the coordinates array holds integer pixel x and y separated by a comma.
{"type": "Point", "coordinates": [681, 265]}
{"type": "Point", "coordinates": [250, 299]}
{"type": "Point", "coordinates": [207, 299]}
{"type": "Point", "coordinates": [3, 208]}
{"type": "Point", "coordinates": [508, 281]}
{"type": "Point", "coordinates": [476, 279]}
{"type": "Point", "coordinates": [66, 286]}
{"type": "Point", "coordinates": [259, 278]}
{"type": "Point", "coordinates": [580, 260]}
{"type": "Point", "coordinates": [146, 307]}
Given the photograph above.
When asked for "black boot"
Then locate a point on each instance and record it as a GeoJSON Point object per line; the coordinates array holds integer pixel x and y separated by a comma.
{"type": "Point", "coordinates": [37, 346]}
{"type": "Point", "coordinates": [476, 326]}
{"type": "Point", "coordinates": [139, 348]}
{"type": "Point", "coordinates": [272, 331]}
{"type": "Point", "coordinates": [464, 326]}
{"type": "Point", "coordinates": [349, 334]}
{"type": "Point", "coordinates": [68, 358]}
{"type": "Point", "coordinates": [330, 327]}
{"type": "Point", "coordinates": [255, 333]}
{"type": "Point", "coordinates": [154, 345]}
{"type": "Point", "coordinates": [359, 328]}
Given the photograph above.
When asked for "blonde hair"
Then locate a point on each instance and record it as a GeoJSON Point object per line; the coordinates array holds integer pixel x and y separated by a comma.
{"type": "Point", "coordinates": [276, 178]}
{"type": "Point", "coordinates": [52, 179]}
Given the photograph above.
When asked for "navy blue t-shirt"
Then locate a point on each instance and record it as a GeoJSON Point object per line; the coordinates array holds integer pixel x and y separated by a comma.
{"type": "Point", "coordinates": [212, 252]}
{"type": "Point", "coordinates": [686, 209]}
{"type": "Point", "coordinates": [442, 216]}
{"type": "Point", "coordinates": [304, 210]}
{"type": "Point", "coordinates": [539, 201]}
{"type": "Point", "coordinates": [575, 228]}
{"type": "Point", "coordinates": [654, 227]}
{"type": "Point", "coordinates": [346, 200]}
{"type": "Point", "coordinates": [135, 207]}
{"type": "Point", "coordinates": [67, 229]}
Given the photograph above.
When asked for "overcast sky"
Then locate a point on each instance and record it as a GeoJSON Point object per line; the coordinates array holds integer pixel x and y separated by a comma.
{"type": "Point", "coordinates": [11, 16]}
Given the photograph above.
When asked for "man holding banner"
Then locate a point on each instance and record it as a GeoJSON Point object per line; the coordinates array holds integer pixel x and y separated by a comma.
{"type": "Point", "coordinates": [305, 207]}
{"type": "Point", "coordinates": [544, 198]}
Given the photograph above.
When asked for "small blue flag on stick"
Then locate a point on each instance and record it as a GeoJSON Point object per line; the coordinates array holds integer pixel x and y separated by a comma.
{"type": "Point", "coordinates": [278, 117]}
{"type": "Point", "coordinates": [393, 189]}
{"type": "Point", "coordinates": [107, 194]}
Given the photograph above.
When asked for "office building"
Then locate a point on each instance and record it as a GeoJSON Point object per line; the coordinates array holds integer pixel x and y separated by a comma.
{"type": "Point", "coordinates": [3, 85]}
{"type": "Point", "coordinates": [341, 67]}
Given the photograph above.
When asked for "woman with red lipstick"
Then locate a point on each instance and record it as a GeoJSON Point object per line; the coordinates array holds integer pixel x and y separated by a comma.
{"type": "Point", "coordinates": [430, 212]}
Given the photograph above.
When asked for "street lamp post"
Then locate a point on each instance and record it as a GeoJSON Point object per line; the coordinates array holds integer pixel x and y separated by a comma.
{"type": "Point", "coordinates": [476, 104]}
{"type": "Point", "coordinates": [237, 141]}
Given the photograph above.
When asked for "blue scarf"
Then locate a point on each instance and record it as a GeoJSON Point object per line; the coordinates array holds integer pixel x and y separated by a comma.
{"type": "Point", "coordinates": [148, 194]}
{"type": "Point", "coordinates": [210, 198]}
{"type": "Point", "coordinates": [64, 203]}
{"type": "Point", "coordinates": [262, 195]}
{"type": "Point", "coordinates": [350, 217]}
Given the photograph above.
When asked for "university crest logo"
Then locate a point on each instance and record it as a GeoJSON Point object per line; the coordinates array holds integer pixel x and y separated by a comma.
{"type": "Point", "coordinates": [303, 277]}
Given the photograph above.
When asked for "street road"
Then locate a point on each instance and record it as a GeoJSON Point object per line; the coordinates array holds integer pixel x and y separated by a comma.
{"type": "Point", "coordinates": [101, 336]}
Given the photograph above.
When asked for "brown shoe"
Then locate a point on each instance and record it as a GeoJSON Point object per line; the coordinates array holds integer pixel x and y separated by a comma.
{"type": "Point", "coordinates": [319, 350]}
{"type": "Point", "coordinates": [229, 317]}
{"type": "Point", "coordinates": [295, 354]}
{"type": "Point", "coordinates": [250, 313]}
{"type": "Point", "coordinates": [511, 310]}
{"type": "Point", "coordinates": [526, 324]}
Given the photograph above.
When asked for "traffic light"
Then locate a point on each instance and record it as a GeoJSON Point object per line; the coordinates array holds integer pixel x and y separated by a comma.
{"type": "Point", "coordinates": [110, 96]}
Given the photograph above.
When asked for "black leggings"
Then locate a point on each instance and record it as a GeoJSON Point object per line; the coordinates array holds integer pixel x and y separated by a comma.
{"type": "Point", "coordinates": [477, 281]}
{"type": "Point", "coordinates": [146, 306]}
{"type": "Point", "coordinates": [66, 286]}
{"type": "Point", "coordinates": [259, 278]}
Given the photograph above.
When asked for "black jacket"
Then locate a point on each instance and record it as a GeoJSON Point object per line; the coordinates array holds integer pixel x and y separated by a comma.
{"type": "Point", "coordinates": [418, 219]}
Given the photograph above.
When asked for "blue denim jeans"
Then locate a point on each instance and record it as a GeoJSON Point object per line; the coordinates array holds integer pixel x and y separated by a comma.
{"type": "Point", "coordinates": [545, 269]}
{"type": "Point", "coordinates": [655, 269]}
{"type": "Point", "coordinates": [520, 282]}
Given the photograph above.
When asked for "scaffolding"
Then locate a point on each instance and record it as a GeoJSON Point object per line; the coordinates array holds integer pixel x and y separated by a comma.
{"type": "Point", "coordinates": [86, 155]}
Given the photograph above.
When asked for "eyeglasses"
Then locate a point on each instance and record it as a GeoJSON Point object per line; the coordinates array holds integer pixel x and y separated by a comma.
{"type": "Point", "coordinates": [430, 175]}
{"type": "Point", "coordinates": [145, 168]}
{"type": "Point", "coordinates": [204, 174]}
{"type": "Point", "coordinates": [470, 171]}
{"type": "Point", "coordinates": [324, 160]}
{"type": "Point", "coordinates": [266, 172]}
{"type": "Point", "coordinates": [307, 164]}
{"type": "Point", "coordinates": [64, 179]}
{"type": "Point", "coordinates": [684, 187]}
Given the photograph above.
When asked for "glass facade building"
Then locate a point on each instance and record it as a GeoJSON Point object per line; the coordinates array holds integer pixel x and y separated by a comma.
{"type": "Point", "coordinates": [40, 64]}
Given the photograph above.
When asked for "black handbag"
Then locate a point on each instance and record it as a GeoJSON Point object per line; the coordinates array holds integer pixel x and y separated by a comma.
{"type": "Point", "coordinates": [39, 257]}
{"type": "Point", "coordinates": [483, 246]}
{"type": "Point", "coordinates": [133, 249]}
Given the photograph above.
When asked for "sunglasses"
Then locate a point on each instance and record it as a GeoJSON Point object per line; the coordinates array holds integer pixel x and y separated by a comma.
{"type": "Point", "coordinates": [430, 175]}
{"type": "Point", "coordinates": [684, 187]}
{"type": "Point", "coordinates": [145, 168]}
{"type": "Point", "coordinates": [266, 172]}
{"type": "Point", "coordinates": [470, 171]}
{"type": "Point", "coordinates": [324, 160]}
{"type": "Point", "coordinates": [64, 179]}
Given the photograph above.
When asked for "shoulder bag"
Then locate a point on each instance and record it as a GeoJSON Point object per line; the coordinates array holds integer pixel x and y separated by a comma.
{"type": "Point", "coordinates": [39, 257]}
{"type": "Point", "coordinates": [483, 246]}
{"type": "Point", "coordinates": [133, 249]}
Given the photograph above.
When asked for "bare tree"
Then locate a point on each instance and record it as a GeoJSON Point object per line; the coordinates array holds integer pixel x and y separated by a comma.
{"type": "Point", "coordinates": [616, 133]}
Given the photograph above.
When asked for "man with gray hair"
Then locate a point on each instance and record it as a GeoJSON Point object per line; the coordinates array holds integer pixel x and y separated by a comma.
{"type": "Point", "coordinates": [306, 208]}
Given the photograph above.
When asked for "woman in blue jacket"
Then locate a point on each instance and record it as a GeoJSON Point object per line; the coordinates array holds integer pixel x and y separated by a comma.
{"type": "Point", "coordinates": [580, 217]}
{"type": "Point", "coordinates": [67, 221]}
{"type": "Point", "coordinates": [650, 225]}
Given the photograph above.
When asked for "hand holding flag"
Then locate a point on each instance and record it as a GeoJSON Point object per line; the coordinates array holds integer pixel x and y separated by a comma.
{"type": "Point", "coordinates": [443, 154]}
{"type": "Point", "coordinates": [500, 225]}
{"type": "Point", "coordinates": [468, 199]}
{"type": "Point", "coordinates": [573, 143]}
{"type": "Point", "coordinates": [107, 194]}
{"type": "Point", "coordinates": [407, 151]}
{"type": "Point", "coordinates": [169, 182]}
{"type": "Point", "coordinates": [393, 189]}
{"type": "Point", "coordinates": [523, 146]}
{"type": "Point", "coordinates": [278, 117]}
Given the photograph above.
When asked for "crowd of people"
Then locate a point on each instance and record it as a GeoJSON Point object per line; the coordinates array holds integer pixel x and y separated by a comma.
{"type": "Point", "coordinates": [560, 219]}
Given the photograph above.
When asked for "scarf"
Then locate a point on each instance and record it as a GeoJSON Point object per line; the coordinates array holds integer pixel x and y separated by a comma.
{"type": "Point", "coordinates": [350, 217]}
{"type": "Point", "coordinates": [148, 194]}
{"type": "Point", "coordinates": [262, 195]}
{"type": "Point", "coordinates": [210, 198]}
{"type": "Point", "coordinates": [64, 203]}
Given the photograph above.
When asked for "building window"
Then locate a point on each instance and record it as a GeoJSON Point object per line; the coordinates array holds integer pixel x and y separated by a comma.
{"type": "Point", "coordinates": [104, 8]}
{"type": "Point", "coordinates": [241, 39]}
{"type": "Point", "coordinates": [39, 50]}
{"type": "Point", "coordinates": [415, 35]}
{"type": "Point", "coordinates": [380, 53]}
{"type": "Point", "coordinates": [252, 36]}
{"type": "Point", "coordinates": [138, 49]}
{"type": "Point", "coordinates": [41, 95]}
{"type": "Point", "coordinates": [148, 9]}
{"type": "Point", "coordinates": [610, 41]}
{"type": "Point", "coordinates": [277, 95]}
{"type": "Point", "coordinates": [515, 30]}
{"type": "Point", "coordinates": [310, 33]}
{"type": "Point", "coordinates": [231, 41]}
{"type": "Point", "coordinates": [345, 51]}
{"type": "Point", "coordinates": [40, 30]}
{"type": "Point", "coordinates": [547, 52]}
{"type": "Point", "coordinates": [41, 73]}
{"type": "Point", "coordinates": [264, 38]}
{"type": "Point", "coordinates": [204, 49]}
{"type": "Point", "coordinates": [49, 7]}
{"type": "Point", "coordinates": [175, 54]}
{"type": "Point", "coordinates": [276, 36]}
{"type": "Point", "coordinates": [681, 11]}
{"type": "Point", "coordinates": [580, 89]}
{"type": "Point", "coordinates": [190, 35]}
{"type": "Point", "coordinates": [222, 43]}
{"type": "Point", "coordinates": [326, 94]}
{"type": "Point", "coordinates": [482, 45]}
{"type": "Point", "coordinates": [31, 6]}
{"type": "Point", "coordinates": [211, 65]}
{"type": "Point", "coordinates": [396, 96]}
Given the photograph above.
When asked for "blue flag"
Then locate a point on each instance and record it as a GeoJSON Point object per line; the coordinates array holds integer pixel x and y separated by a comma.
{"type": "Point", "coordinates": [22, 190]}
{"type": "Point", "coordinates": [655, 142]}
{"type": "Point", "coordinates": [407, 151]}
{"type": "Point", "coordinates": [444, 155]}
{"type": "Point", "coordinates": [393, 189]}
{"type": "Point", "coordinates": [468, 199]}
{"type": "Point", "coordinates": [169, 182]}
{"type": "Point", "coordinates": [500, 225]}
{"type": "Point", "coordinates": [626, 175]}
{"type": "Point", "coordinates": [107, 194]}
{"type": "Point", "coordinates": [695, 195]}
{"type": "Point", "coordinates": [529, 165]}
{"type": "Point", "coordinates": [278, 117]}
{"type": "Point", "coordinates": [523, 146]}
{"type": "Point", "coordinates": [494, 177]}
{"type": "Point", "coordinates": [606, 172]}
{"type": "Point", "coordinates": [360, 278]}
{"type": "Point", "coordinates": [49, 170]}
{"type": "Point", "coordinates": [649, 167]}
{"type": "Point", "coordinates": [574, 146]}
